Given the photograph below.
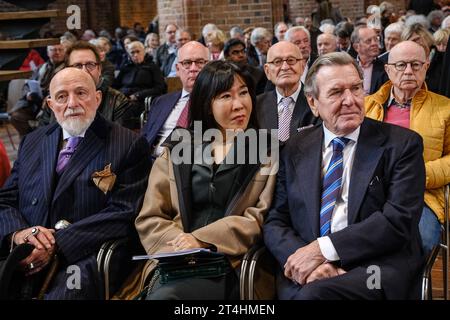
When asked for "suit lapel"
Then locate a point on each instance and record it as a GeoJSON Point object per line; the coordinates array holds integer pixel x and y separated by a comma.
{"type": "Point", "coordinates": [271, 110]}
{"type": "Point", "coordinates": [90, 146]}
{"type": "Point", "coordinates": [367, 155]}
{"type": "Point", "coordinates": [182, 174]}
{"type": "Point", "coordinates": [308, 165]}
{"type": "Point", "coordinates": [300, 110]}
{"type": "Point", "coordinates": [49, 151]}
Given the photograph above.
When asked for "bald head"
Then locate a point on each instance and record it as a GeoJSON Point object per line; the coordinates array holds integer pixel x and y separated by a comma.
{"type": "Point", "coordinates": [74, 100]}
{"type": "Point", "coordinates": [281, 46]}
{"type": "Point", "coordinates": [68, 74]}
{"type": "Point", "coordinates": [285, 76]}
{"type": "Point", "coordinates": [407, 68]}
{"type": "Point", "coordinates": [192, 51]}
{"type": "Point", "coordinates": [407, 50]}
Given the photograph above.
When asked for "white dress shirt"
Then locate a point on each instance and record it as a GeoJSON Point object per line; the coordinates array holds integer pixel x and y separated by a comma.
{"type": "Point", "coordinates": [171, 122]}
{"type": "Point", "coordinates": [339, 218]}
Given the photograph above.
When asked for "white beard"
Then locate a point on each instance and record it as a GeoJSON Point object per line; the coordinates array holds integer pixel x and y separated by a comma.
{"type": "Point", "coordinates": [76, 126]}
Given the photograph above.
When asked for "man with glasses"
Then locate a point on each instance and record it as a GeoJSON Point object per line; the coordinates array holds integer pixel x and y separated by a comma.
{"type": "Point", "coordinates": [343, 223]}
{"type": "Point", "coordinates": [35, 91]}
{"type": "Point", "coordinates": [166, 53]}
{"type": "Point", "coordinates": [170, 110]}
{"type": "Point", "coordinates": [406, 101]}
{"type": "Point", "coordinates": [83, 55]}
{"type": "Point", "coordinates": [284, 108]}
{"type": "Point", "coordinates": [365, 41]}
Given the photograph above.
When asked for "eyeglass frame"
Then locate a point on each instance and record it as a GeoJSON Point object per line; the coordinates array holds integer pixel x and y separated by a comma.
{"type": "Point", "coordinates": [284, 60]}
{"type": "Point", "coordinates": [196, 62]}
{"type": "Point", "coordinates": [80, 66]}
{"type": "Point", "coordinates": [406, 65]}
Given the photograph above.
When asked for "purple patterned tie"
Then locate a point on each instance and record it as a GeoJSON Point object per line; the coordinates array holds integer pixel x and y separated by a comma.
{"type": "Point", "coordinates": [66, 153]}
{"type": "Point", "coordinates": [285, 119]}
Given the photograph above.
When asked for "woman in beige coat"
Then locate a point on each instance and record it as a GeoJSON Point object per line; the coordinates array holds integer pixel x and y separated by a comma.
{"type": "Point", "coordinates": [219, 206]}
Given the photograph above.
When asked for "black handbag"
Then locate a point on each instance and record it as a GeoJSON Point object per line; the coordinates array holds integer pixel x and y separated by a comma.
{"type": "Point", "coordinates": [200, 264]}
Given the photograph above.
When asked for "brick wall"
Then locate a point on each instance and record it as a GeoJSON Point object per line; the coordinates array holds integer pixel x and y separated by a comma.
{"type": "Point", "coordinates": [193, 14]}
{"type": "Point", "coordinates": [348, 8]}
{"type": "Point", "coordinates": [142, 11]}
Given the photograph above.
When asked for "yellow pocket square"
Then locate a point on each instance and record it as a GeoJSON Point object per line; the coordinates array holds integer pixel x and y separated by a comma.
{"type": "Point", "coordinates": [104, 179]}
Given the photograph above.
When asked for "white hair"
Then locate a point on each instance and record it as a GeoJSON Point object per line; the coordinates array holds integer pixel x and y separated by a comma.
{"type": "Point", "coordinates": [417, 18]}
{"type": "Point", "coordinates": [396, 27]}
{"type": "Point", "coordinates": [445, 23]}
{"type": "Point", "coordinates": [291, 31]}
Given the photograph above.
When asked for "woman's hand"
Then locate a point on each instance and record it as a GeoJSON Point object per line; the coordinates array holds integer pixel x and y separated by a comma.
{"type": "Point", "coordinates": [186, 241]}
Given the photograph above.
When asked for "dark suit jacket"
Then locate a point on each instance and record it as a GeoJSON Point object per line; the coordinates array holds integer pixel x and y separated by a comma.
{"type": "Point", "coordinates": [384, 207]}
{"type": "Point", "coordinates": [34, 195]}
{"type": "Point", "coordinates": [379, 76]}
{"type": "Point", "coordinates": [159, 111]}
{"type": "Point", "coordinates": [267, 112]}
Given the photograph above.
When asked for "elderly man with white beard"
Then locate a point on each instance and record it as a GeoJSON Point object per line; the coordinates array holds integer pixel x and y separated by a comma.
{"type": "Point", "coordinates": [84, 171]}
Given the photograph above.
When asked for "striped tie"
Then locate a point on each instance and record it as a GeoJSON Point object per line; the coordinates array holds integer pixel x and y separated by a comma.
{"type": "Point", "coordinates": [332, 182]}
{"type": "Point", "coordinates": [285, 119]}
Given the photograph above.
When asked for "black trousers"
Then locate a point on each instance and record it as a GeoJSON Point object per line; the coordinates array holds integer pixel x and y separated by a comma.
{"type": "Point", "coordinates": [349, 286]}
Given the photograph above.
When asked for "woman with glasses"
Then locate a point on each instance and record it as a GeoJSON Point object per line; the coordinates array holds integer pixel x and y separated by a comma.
{"type": "Point", "coordinates": [406, 101]}
{"type": "Point", "coordinates": [210, 199]}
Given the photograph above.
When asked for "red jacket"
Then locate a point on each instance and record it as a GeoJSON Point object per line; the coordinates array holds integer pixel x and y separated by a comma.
{"type": "Point", "coordinates": [4, 165]}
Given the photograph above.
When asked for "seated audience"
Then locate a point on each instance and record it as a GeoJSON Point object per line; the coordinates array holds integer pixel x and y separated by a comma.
{"type": "Point", "coordinates": [171, 110]}
{"type": "Point", "coordinates": [151, 43]}
{"type": "Point", "coordinates": [56, 177]}
{"type": "Point", "coordinates": [406, 101]}
{"type": "Point", "coordinates": [349, 194]}
{"type": "Point", "coordinates": [140, 78]}
{"type": "Point", "coordinates": [201, 205]}
{"type": "Point", "coordinates": [35, 91]}
{"type": "Point", "coordinates": [114, 106]}
{"type": "Point", "coordinates": [103, 47]}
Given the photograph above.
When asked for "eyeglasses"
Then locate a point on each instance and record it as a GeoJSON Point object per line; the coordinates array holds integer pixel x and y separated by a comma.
{"type": "Point", "coordinates": [401, 65]}
{"type": "Point", "coordinates": [278, 62]}
{"type": "Point", "coordinates": [90, 66]}
{"type": "Point", "coordinates": [187, 63]}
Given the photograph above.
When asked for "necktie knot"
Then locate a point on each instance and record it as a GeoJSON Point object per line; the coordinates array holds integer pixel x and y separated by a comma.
{"type": "Point", "coordinates": [66, 153]}
{"type": "Point", "coordinates": [285, 102]}
{"type": "Point", "coordinates": [339, 143]}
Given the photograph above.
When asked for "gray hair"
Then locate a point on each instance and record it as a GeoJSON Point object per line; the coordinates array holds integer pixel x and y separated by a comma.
{"type": "Point", "coordinates": [288, 35]}
{"type": "Point", "coordinates": [236, 30]}
{"type": "Point", "coordinates": [207, 28]}
{"type": "Point", "coordinates": [445, 23]}
{"type": "Point", "coordinates": [435, 14]}
{"type": "Point", "coordinates": [417, 18]}
{"type": "Point", "coordinates": [396, 27]}
{"type": "Point", "coordinates": [259, 34]}
{"type": "Point", "coordinates": [329, 59]}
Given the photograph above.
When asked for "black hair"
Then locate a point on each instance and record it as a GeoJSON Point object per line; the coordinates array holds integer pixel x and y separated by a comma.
{"type": "Point", "coordinates": [231, 43]}
{"type": "Point", "coordinates": [217, 77]}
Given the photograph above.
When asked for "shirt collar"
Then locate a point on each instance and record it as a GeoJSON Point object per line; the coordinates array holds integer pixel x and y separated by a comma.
{"type": "Point", "coordinates": [294, 96]}
{"type": "Point", "coordinates": [392, 97]}
{"type": "Point", "coordinates": [184, 94]}
{"type": "Point", "coordinates": [329, 136]}
{"type": "Point", "coordinates": [66, 135]}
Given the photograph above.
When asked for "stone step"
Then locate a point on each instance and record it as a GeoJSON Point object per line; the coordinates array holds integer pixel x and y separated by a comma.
{"type": "Point", "coordinates": [28, 14]}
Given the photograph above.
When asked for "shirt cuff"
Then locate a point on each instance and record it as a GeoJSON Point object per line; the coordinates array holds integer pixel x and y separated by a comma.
{"type": "Point", "coordinates": [327, 249]}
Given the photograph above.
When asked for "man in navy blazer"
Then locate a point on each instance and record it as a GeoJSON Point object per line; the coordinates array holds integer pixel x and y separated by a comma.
{"type": "Point", "coordinates": [95, 182]}
{"type": "Point", "coordinates": [166, 110]}
{"type": "Point", "coordinates": [352, 235]}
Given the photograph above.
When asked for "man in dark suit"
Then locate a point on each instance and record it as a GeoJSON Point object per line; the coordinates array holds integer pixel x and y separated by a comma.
{"type": "Point", "coordinates": [284, 108]}
{"type": "Point", "coordinates": [366, 44]}
{"type": "Point", "coordinates": [166, 53]}
{"type": "Point", "coordinates": [348, 199]}
{"type": "Point", "coordinates": [85, 170]}
{"type": "Point", "coordinates": [166, 110]}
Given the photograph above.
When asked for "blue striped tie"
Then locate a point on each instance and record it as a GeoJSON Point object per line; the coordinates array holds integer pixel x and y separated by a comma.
{"type": "Point", "coordinates": [331, 187]}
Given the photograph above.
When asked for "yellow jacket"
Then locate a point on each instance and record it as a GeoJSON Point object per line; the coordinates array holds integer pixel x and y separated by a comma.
{"type": "Point", "coordinates": [430, 117]}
